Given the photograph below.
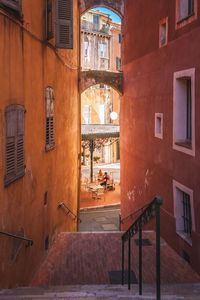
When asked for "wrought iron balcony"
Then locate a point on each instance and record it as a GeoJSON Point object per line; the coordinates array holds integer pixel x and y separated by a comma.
{"type": "Point", "coordinates": [93, 27]}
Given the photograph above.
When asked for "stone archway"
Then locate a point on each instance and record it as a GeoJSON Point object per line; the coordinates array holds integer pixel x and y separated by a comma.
{"type": "Point", "coordinates": [116, 5]}
{"type": "Point", "coordinates": [90, 78]}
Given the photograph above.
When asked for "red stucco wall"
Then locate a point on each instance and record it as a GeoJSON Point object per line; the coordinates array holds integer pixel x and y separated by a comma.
{"type": "Point", "coordinates": [148, 164]}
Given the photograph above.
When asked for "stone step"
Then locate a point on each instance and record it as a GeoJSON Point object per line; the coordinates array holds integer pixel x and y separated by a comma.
{"type": "Point", "coordinates": [107, 292]}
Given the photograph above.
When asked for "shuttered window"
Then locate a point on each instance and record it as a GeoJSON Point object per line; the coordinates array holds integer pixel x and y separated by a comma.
{"type": "Point", "coordinates": [49, 19]}
{"type": "Point", "coordinates": [50, 142]}
{"type": "Point", "coordinates": [14, 167]}
{"type": "Point", "coordinates": [14, 5]}
{"type": "Point", "coordinates": [64, 24]}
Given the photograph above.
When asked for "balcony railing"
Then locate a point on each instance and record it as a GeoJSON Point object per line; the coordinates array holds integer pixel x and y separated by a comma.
{"type": "Point", "coordinates": [93, 27]}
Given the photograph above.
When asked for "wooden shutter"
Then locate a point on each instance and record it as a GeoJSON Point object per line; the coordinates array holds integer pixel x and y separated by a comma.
{"type": "Point", "coordinates": [49, 19]}
{"type": "Point", "coordinates": [13, 4]}
{"type": "Point", "coordinates": [14, 143]}
{"type": "Point", "coordinates": [64, 24]}
{"type": "Point", "coordinates": [50, 142]}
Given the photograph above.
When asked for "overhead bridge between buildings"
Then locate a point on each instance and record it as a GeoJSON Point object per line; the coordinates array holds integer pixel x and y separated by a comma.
{"type": "Point", "coordinates": [94, 77]}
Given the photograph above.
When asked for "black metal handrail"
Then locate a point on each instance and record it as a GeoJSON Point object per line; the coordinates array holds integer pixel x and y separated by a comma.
{"type": "Point", "coordinates": [133, 214]}
{"type": "Point", "coordinates": [29, 241]}
{"type": "Point", "coordinates": [68, 211]}
{"type": "Point", "coordinates": [152, 210]}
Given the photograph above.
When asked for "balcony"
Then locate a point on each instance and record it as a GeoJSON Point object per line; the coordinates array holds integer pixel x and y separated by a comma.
{"type": "Point", "coordinates": [93, 27]}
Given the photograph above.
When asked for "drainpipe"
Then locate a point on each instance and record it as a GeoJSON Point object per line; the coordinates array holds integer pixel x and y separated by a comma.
{"type": "Point", "coordinates": [91, 159]}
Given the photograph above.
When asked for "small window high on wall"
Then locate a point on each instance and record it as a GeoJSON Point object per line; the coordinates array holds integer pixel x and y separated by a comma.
{"type": "Point", "coordinates": [50, 142]}
{"type": "Point", "coordinates": [185, 9]}
{"type": "Point", "coordinates": [14, 166]}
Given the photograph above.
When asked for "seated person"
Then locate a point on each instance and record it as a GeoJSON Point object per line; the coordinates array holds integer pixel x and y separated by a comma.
{"type": "Point", "coordinates": [100, 175]}
{"type": "Point", "coordinates": [105, 178]}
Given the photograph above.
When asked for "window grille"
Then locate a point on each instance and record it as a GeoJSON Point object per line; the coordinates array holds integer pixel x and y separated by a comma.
{"type": "Point", "coordinates": [50, 142]}
{"type": "Point", "coordinates": [187, 220]}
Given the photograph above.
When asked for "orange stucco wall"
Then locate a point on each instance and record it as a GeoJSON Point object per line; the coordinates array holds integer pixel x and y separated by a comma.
{"type": "Point", "coordinates": [28, 65]}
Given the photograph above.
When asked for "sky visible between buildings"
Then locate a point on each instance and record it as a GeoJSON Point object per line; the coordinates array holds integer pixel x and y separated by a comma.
{"type": "Point", "coordinates": [115, 18]}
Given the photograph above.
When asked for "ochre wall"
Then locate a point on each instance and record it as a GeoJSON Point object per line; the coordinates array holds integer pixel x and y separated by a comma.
{"type": "Point", "coordinates": [28, 65]}
{"type": "Point", "coordinates": [149, 164]}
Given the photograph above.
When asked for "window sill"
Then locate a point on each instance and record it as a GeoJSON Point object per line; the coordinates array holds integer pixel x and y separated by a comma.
{"type": "Point", "coordinates": [185, 237]}
{"type": "Point", "coordinates": [185, 144]}
{"type": "Point", "coordinates": [185, 18]}
{"type": "Point", "coordinates": [49, 147]}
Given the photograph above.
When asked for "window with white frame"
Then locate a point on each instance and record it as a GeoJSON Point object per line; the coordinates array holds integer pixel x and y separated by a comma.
{"type": "Point", "coordinates": [185, 9]}
{"type": "Point", "coordinates": [183, 111]}
{"type": "Point", "coordinates": [159, 125]}
{"type": "Point", "coordinates": [102, 50]}
{"type": "Point", "coordinates": [102, 113]}
{"type": "Point", "coordinates": [87, 114]}
{"type": "Point", "coordinates": [163, 32]}
{"type": "Point", "coordinates": [183, 211]}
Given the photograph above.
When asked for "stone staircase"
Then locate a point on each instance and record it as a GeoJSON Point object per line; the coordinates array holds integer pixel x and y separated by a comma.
{"type": "Point", "coordinates": [87, 266]}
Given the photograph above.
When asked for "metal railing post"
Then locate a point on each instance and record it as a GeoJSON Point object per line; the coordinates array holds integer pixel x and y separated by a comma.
{"type": "Point", "coordinates": [129, 263]}
{"type": "Point", "coordinates": [157, 208]}
{"type": "Point", "coordinates": [140, 259]}
{"type": "Point", "coordinates": [122, 262]}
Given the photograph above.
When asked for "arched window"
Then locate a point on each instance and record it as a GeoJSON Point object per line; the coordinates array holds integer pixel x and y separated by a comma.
{"type": "Point", "coordinates": [14, 169]}
{"type": "Point", "coordinates": [50, 143]}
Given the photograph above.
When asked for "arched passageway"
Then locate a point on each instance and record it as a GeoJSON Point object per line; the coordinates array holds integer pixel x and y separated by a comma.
{"type": "Point", "coordinates": [93, 77]}
{"type": "Point", "coordinates": [116, 5]}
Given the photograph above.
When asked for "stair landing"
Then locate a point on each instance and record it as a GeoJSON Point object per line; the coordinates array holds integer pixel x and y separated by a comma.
{"type": "Point", "coordinates": [87, 258]}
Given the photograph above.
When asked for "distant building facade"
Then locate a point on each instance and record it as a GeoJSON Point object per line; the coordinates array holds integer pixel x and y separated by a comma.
{"type": "Point", "coordinates": [100, 50]}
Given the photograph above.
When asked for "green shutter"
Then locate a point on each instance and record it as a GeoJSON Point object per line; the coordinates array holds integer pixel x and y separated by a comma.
{"type": "Point", "coordinates": [64, 24]}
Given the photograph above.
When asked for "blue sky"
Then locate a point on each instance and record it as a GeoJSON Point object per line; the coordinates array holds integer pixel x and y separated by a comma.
{"type": "Point", "coordinates": [115, 18]}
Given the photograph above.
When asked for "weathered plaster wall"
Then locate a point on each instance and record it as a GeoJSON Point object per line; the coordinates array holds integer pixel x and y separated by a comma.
{"type": "Point", "coordinates": [149, 164]}
{"type": "Point", "coordinates": [28, 65]}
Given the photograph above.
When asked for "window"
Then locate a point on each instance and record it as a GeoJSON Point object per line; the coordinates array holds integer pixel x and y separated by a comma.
{"type": "Point", "coordinates": [186, 12]}
{"type": "Point", "coordinates": [120, 38]}
{"type": "Point", "coordinates": [49, 18]}
{"type": "Point", "coordinates": [14, 165]}
{"type": "Point", "coordinates": [185, 9]}
{"type": "Point", "coordinates": [64, 24]}
{"type": "Point", "coordinates": [87, 114]}
{"type": "Point", "coordinates": [183, 112]}
{"type": "Point", "coordinates": [50, 143]}
{"type": "Point", "coordinates": [184, 211]}
{"type": "Point", "coordinates": [159, 125]}
{"type": "Point", "coordinates": [118, 63]}
{"type": "Point", "coordinates": [102, 114]}
{"type": "Point", "coordinates": [95, 19]}
{"type": "Point", "coordinates": [102, 50]}
{"type": "Point", "coordinates": [163, 32]}
{"type": "Point", "coordinates": [12, 5]}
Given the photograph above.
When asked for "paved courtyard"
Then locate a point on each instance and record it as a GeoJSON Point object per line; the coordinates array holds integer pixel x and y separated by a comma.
{"type": "Point", "coordinates": [100, 219]}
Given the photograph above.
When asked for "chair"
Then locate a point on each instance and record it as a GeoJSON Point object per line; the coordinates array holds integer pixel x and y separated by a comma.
{"type": "Point", "coordinates": [98, 193]}
{"type": "Point", "coordinates": [85, 183]}
{"type": "Point", "coordinates": [110, 185]}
